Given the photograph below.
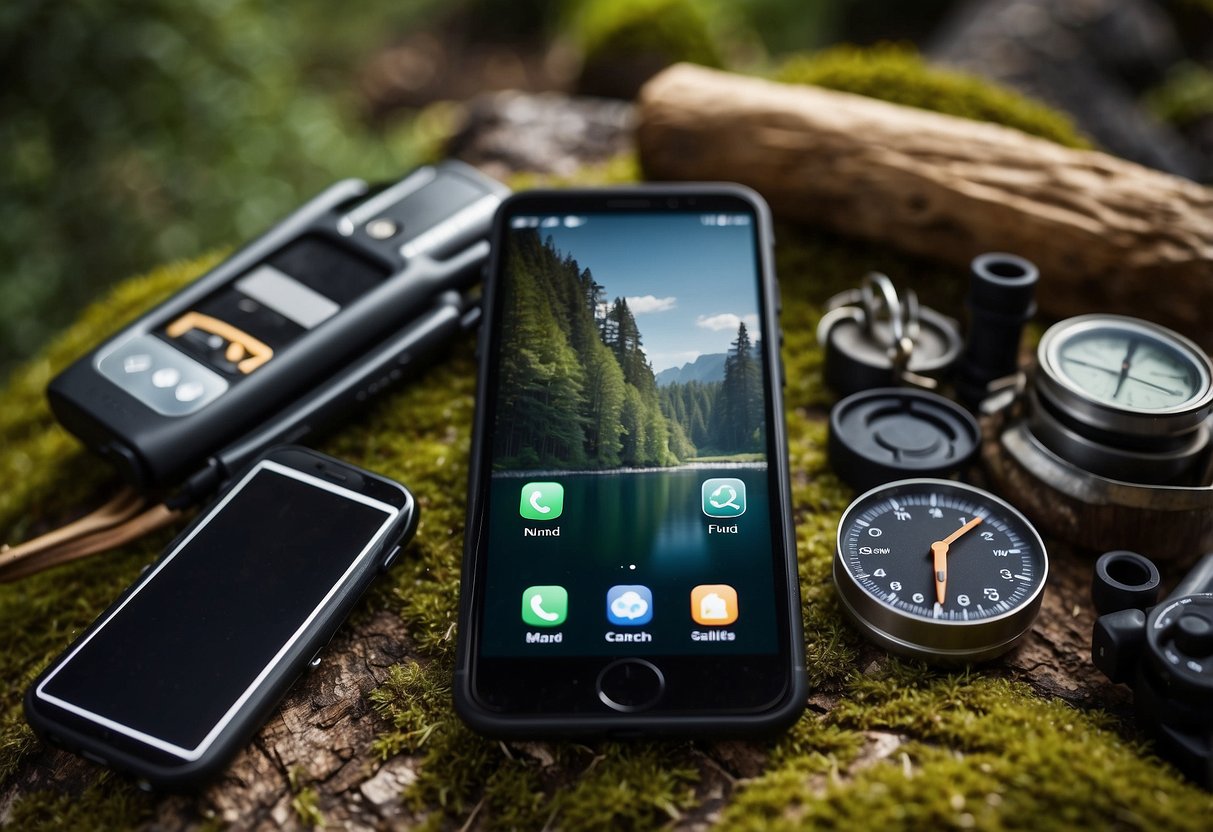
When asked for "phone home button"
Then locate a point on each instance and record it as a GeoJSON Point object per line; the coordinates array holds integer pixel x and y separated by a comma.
{"type": "Point", "coordinates": [630, 685]}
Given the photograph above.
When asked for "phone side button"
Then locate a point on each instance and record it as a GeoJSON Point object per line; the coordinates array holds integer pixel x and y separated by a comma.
{"type": "Point", "coordinates": [630, 685]}
{"type": "Point", "coordinates": [390, 559]}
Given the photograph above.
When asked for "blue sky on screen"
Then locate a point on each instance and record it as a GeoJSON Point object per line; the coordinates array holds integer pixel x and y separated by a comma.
{"type": "Point", "coordinates": [688, 284]}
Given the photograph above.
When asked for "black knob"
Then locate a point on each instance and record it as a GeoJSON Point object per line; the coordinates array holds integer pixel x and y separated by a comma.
{"type": "Point", "coordinates": [1124, 580]}
{"type": "Point", "coordinates": [1194, 635]}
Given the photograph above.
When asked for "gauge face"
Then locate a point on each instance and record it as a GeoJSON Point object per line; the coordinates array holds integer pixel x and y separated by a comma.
{"type": "Point", "coordinates": [891, 571]}
{"type": "Point", "coordinates": [1126, 364]}
{"type": "Point", "coordinates": [1135, 370]}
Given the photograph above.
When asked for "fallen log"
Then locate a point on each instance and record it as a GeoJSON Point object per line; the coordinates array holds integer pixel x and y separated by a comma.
{"type": "Point", "coordinates": [1108, 235]}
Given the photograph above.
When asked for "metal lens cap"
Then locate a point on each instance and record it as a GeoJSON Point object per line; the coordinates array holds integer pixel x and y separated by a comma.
{"type": "Point", "coordinates": [895, 433]}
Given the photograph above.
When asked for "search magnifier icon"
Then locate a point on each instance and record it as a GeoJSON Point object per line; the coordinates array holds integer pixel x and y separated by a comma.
{"type": "Point", "coordinates": [724, 497]}
{"type": "Point", "coordinates": [730, 501]}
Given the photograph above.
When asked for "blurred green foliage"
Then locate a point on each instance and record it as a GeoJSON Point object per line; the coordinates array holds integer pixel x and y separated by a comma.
{"type": "Point", "coordinates": [151, 130]}
{"type": "Point", "coordinates": [899, 74]}
{"type": "Point", "coordinates": [675, 29]}
{"type": "Point", "coordinates": [1186, 95]}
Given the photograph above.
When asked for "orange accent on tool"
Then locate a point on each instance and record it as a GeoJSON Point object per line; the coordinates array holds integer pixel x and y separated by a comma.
{"type": "Point", "coordinates": [258, 352]}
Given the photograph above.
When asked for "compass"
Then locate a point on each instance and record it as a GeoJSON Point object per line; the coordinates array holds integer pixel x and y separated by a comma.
{"type": "Point", "coordinates": [939, 570]}
{"type": "Point", "coordinates": [1122, 398]}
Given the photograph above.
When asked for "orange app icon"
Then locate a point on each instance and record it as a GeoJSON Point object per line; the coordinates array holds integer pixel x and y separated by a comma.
{"type": "Point", "coordinates": [714, 604]}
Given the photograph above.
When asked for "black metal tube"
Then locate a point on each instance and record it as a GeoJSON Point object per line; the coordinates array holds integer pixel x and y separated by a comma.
{"type": "Point", "coordinates": [1000, 301]}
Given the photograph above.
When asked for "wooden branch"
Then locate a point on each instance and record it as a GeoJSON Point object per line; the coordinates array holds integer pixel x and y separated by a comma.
{"type": "Point", "coordinates": [1108, 235]}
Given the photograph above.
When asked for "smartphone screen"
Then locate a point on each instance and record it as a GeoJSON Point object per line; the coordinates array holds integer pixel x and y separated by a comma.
{"type": "Point", "coordinates": [172, 664]}
{"type": "Point", "coordinates": [632, 508]}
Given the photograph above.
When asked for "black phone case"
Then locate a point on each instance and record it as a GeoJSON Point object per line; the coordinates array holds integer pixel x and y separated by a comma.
{"type": "Point", "coordinates": [784, 712]}
{"type": "Point", "coordinates": [153, 451]}
{"type": "Point", "coordinates": [61, 729]}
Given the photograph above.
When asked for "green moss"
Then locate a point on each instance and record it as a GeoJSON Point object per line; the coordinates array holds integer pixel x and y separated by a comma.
{"type": "Point", "coordinates": [1186, 95]}
{"type": "Point", "coordinates": [414, 702]}
{"type": "Point", "coordinates": [623, 169]}
{"type": "Point", "coordinates": [305, 804]}
{"type": "Point", "coordinates": [977, 751]}
{"type": "Point", "coordinates": [629, 787]}
{"type": "Point", "coordinates": [109, 803]}
{"type": "Point", "coordinates": [898, 74]}
{"type": "Point", "coordinates": [675, 30]}
{"type": "Point", "coordinates": [618, 787]}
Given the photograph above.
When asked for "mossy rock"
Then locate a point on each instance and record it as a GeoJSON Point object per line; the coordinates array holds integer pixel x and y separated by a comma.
{"type": "Point", "coordinates": [625, 42]}
{"type": "Point", "coordinates": [886, 745]}
{"type": "Point", "coordinates": [900, 75]}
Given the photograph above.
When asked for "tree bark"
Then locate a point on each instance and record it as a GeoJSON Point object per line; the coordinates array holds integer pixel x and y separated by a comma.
{"type": "Point", "coordinates": [1105, 233]}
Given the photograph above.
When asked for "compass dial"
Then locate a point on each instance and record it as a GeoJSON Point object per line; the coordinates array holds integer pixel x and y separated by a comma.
{"type": "Point", "coordinates": [1118, 366]}
{"type": "Point", "coordinates": [939, 570]}
{"type": "Point", "coordinates": [1126, 377]}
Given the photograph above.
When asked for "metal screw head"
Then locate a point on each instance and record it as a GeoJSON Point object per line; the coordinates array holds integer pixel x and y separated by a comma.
{"type": "Point", "coordinates": [381, 229]}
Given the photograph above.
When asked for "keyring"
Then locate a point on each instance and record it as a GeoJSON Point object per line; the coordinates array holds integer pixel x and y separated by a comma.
{"type": "Point", "coordinates": [916, 346]}
{"type": "Point", "coordinates": [892, 304]}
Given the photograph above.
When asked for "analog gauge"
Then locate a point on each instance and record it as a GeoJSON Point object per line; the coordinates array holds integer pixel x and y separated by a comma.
{"type": "Point", "coordinates": [939, 570]}
{"type": "Point", "coordinates": [1124, 376]}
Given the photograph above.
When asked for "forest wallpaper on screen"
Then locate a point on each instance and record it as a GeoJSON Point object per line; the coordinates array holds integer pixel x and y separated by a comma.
{"type": "Point", "coordinates": [576, 389]}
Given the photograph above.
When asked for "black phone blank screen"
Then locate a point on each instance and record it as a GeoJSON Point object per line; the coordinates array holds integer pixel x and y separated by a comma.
{"type": "Point", "coordinates": [171, 665]}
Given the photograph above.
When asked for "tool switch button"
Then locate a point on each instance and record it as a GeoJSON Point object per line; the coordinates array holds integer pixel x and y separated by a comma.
{"type": "Point", "coordinates": [390, 559]}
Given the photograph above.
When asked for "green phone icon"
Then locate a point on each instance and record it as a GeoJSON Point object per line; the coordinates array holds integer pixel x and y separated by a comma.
{"type": "Point", "coordinates": [541, 500]}
{"type": "Point", "coordinates": [545, 606]}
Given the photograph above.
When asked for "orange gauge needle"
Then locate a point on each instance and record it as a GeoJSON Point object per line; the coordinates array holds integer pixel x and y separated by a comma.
{"type": "Point", "coordinates": [940, 550]}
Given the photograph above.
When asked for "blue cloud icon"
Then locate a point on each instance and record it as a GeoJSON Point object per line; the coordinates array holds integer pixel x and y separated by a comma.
{"type": "Point", "coordinates": [629, 605]}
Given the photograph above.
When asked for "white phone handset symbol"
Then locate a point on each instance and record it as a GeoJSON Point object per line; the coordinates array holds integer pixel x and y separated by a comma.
{"type": "Point", "coordinates": [537, 602]}
{"type": "Point", "coordinates": [535, 495]}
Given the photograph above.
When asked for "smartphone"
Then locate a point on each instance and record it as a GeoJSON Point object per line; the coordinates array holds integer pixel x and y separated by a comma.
{"type": "Point", "coordinates": [176, 676]}
{"type": "Point", "coordinates": [630, 562]}
{"type": "Point", "coordinates": [280, 316]}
